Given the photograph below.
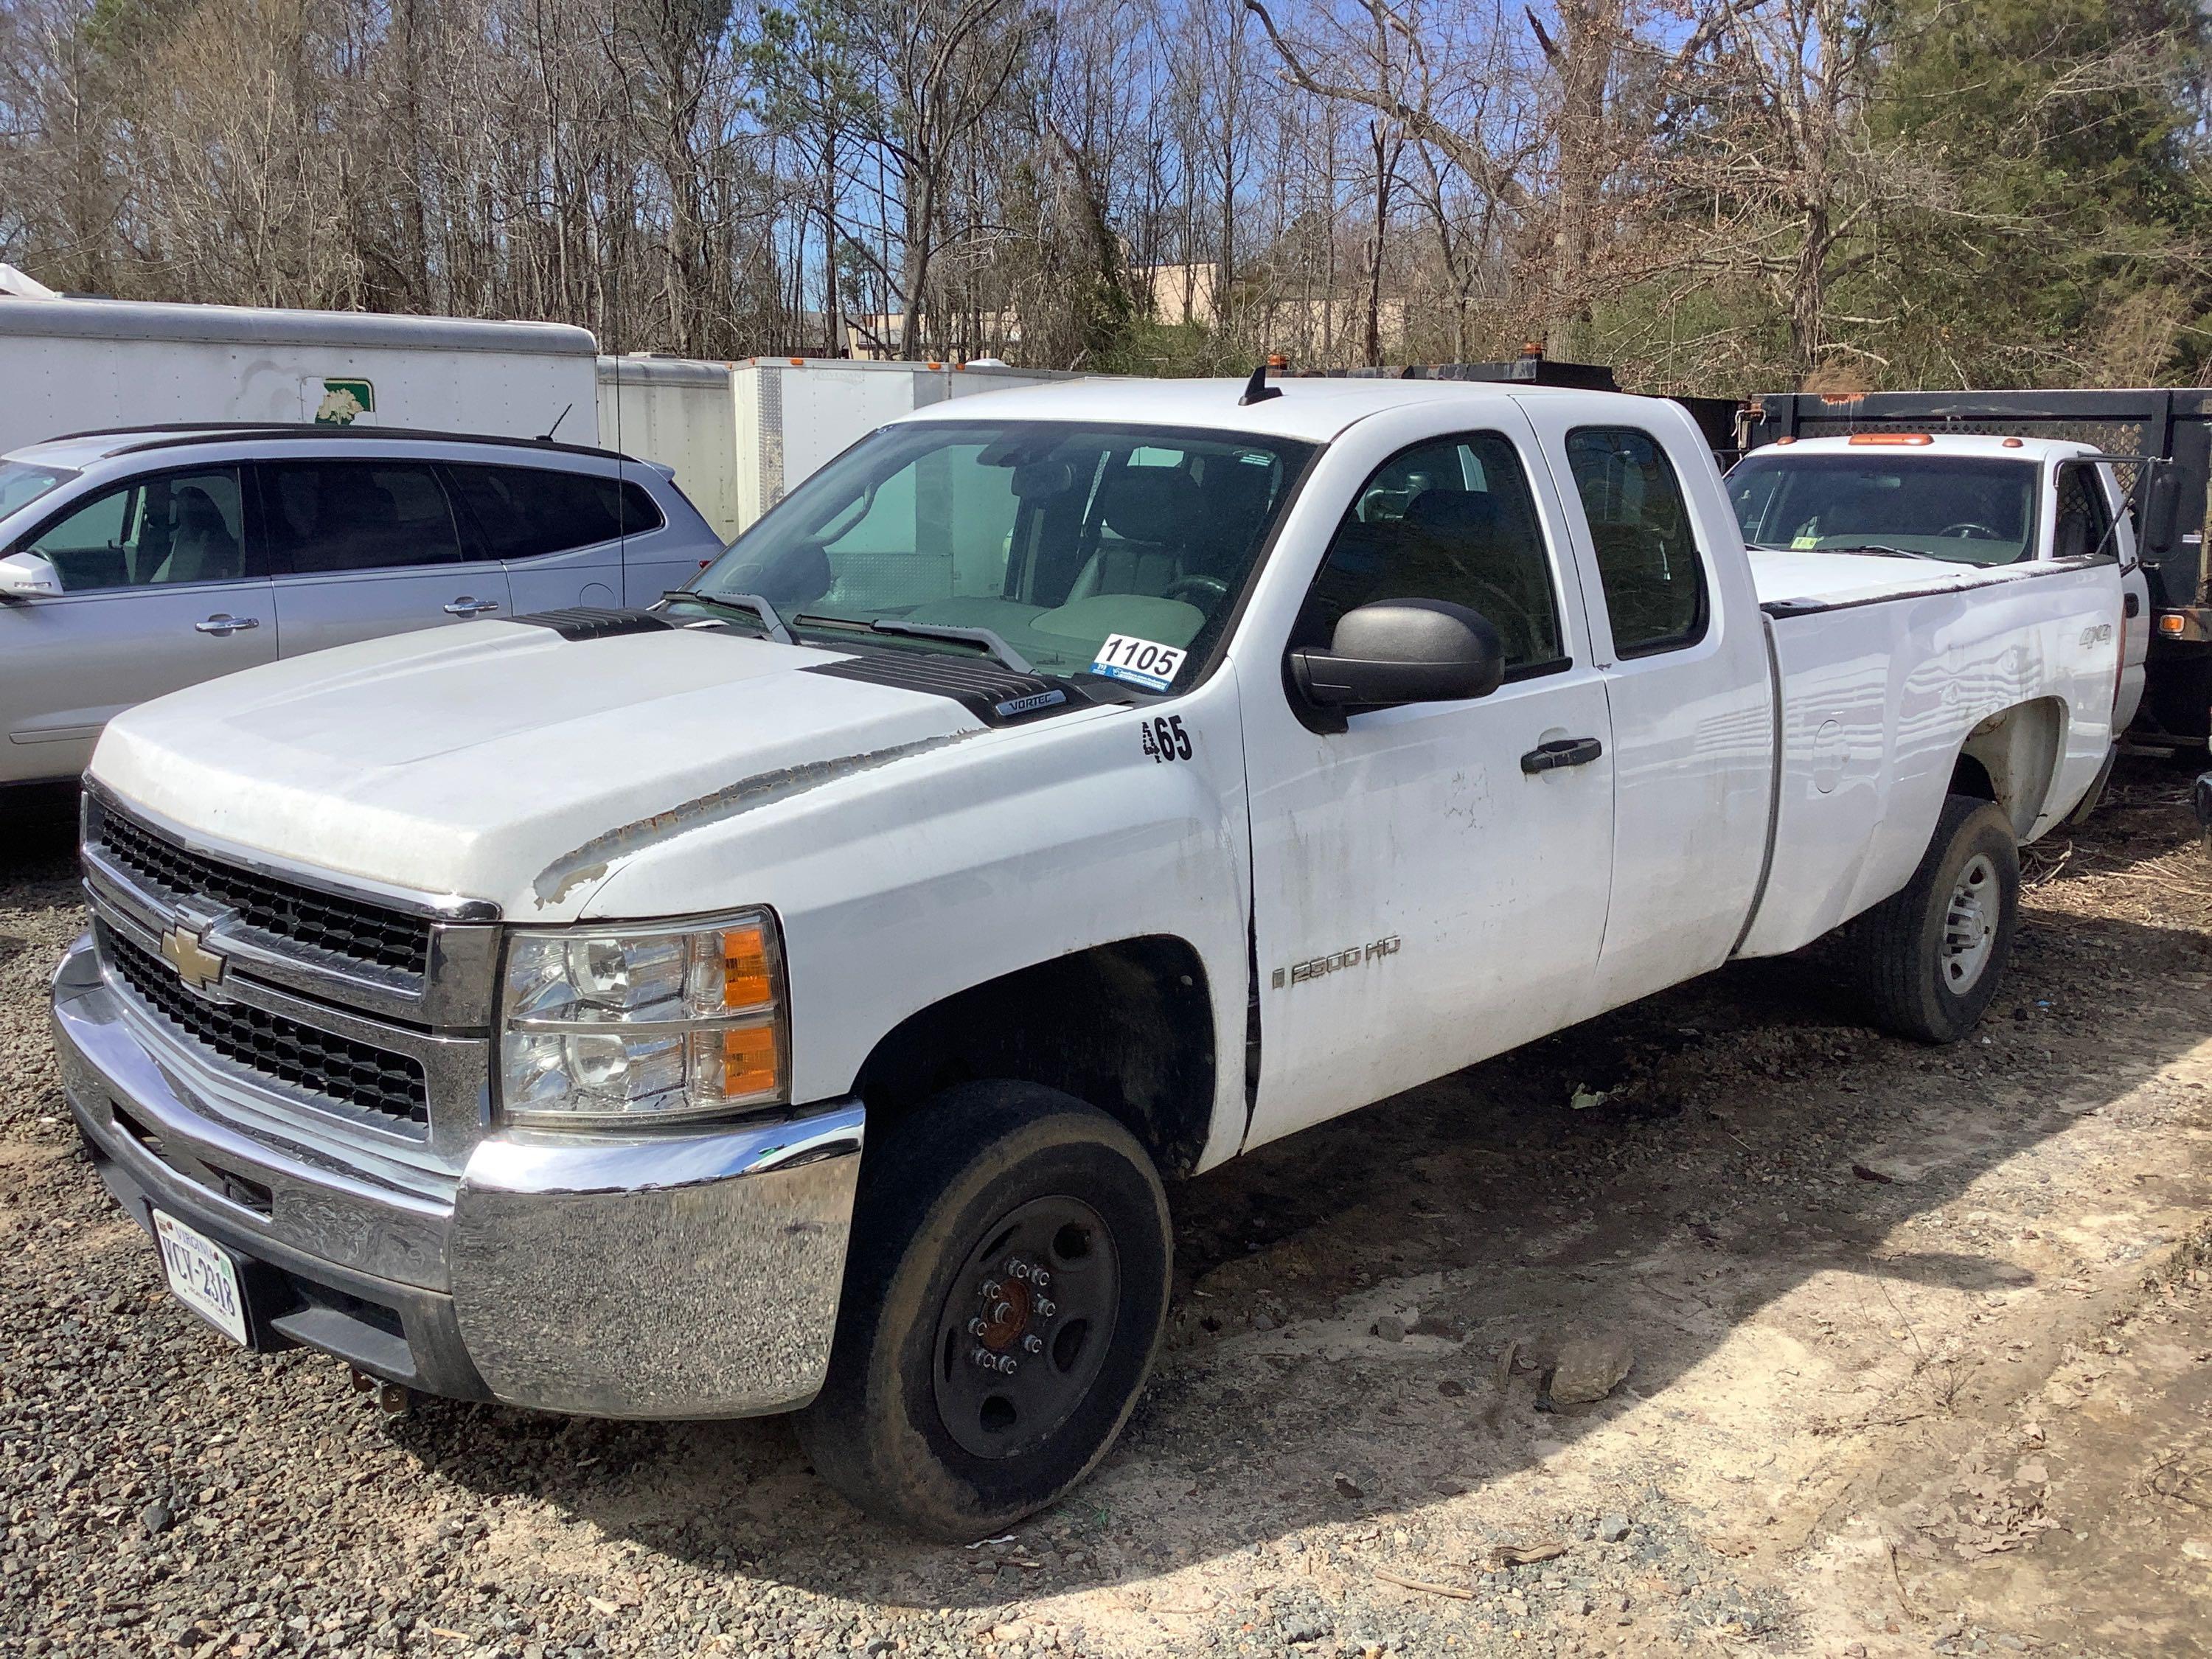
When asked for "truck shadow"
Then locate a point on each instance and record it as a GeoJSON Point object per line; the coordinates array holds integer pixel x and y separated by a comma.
{"type": "Point", "coordinates": [1734, 1138]}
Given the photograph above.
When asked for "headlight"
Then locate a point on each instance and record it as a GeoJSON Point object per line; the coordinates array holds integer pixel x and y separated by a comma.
{"type": "Point", "coordinates": [619, 1025]}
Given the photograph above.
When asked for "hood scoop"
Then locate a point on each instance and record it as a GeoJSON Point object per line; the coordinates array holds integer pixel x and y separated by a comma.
{"type": "Point", "coordinates": [994, 695]}
{"type": "Point", "coordinates": [581, 623]}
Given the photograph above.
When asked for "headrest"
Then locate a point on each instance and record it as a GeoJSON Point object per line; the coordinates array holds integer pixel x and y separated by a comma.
{"type": "Point", "coordinates": [1157, 504]}
{"type": "Point", "coordinates": [1452, 512]}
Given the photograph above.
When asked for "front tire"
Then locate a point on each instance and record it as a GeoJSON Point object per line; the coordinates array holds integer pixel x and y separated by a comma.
{"type": "Point", "coordinates": [1929, 957]}
{"type": "Point", "coordinates": [1004, 1297]}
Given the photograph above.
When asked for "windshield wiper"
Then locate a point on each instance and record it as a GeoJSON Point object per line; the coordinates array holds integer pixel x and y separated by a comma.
{"type": "Point", "coordinates": [983, 637]}
{"type": "Point", "coordinates": [1882, 550]}
{"type": "Point", "coordinates": [744, 604]}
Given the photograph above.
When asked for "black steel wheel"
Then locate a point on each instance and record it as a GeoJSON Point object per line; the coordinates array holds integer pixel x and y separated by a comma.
{"type": "Point", "coordinates": [1004, 1293]}
{"type": "Point", "coordinates": [1026, 1325]}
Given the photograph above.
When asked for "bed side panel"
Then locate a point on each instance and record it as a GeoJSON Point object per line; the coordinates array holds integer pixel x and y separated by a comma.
{"type": "Point", "coordinates": [1877, 703]}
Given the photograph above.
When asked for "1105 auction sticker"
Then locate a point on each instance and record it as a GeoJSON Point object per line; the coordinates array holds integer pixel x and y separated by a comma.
{"type": "Point", "coordinates": [1140, 662]}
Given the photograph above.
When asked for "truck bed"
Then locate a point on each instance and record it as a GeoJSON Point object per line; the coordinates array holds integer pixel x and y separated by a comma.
{"type": "Point", "coordinates": [1885, 669]}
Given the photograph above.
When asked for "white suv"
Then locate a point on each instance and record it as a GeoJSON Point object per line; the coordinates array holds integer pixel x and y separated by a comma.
{"type": "Point", "coordinates": [136, 562]}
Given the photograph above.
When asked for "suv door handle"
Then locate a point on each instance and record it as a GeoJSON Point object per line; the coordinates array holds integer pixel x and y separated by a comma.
{"type": "Point", "coordinates": [1561, 751]}
{"type": "Point", "coordinates": [466, 606]}
{"type": "Point", "coordinates": [222, 624]}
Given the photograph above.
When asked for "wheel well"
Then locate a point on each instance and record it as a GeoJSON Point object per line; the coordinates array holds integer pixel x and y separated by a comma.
{"type": "Point", "coordinates": [2011, 758]}
{"type": "Point", "coordinates": [1128, 1027]}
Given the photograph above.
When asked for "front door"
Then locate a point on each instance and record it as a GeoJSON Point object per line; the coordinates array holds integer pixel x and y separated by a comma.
{"type": "Point", "coordinates": [368, 547]}
{"type": "Point", "coordinates": [1430, 884]}
{"type": "Point", "coordinates": [162, 589]}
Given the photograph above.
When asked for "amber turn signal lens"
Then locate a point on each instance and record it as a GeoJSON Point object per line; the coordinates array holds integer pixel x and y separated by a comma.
{"type": "Point", "coordinates": [746, 980]}
{"type": "Point", "coordinates": [1893, 438]}
{"type": "Point", "coordinates": [2171, 623]}
{"type": "Point", "coordinates": [748, 1065]}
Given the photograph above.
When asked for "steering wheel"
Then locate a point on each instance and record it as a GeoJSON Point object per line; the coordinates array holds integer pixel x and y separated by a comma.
{"type": "Point", "coordinates": [1508, 609]}
{"type": "Point", "coordinates": [1210, 590]}
{"type": "Point", "coordinates": [1972, 531]}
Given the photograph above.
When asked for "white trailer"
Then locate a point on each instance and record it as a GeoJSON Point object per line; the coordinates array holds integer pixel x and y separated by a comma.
{"type": "Point", "coordinates": [82, 365]}
{"type": "Point", "coordinates": [773, 420]}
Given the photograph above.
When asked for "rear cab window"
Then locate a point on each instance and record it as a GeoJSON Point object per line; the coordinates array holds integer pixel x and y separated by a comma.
{"type": "Point", "coordinates": [1649, 562]}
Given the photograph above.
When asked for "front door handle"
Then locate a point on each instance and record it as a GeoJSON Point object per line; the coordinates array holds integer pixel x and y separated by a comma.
{"type": "Point", "coordinates": [2133, 605]}
{"type": "Point", "coordinates": [1561, 751]}
{"type": "Point", "coordinates": [465, 606]}
{"type": "Point", "coordinates": [222, 624]}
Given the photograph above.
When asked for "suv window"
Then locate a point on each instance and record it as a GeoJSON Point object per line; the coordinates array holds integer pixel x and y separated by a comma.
{"type": "Point", "coordinates": [327, 516]}
{"type": "Point", "coordinates": [2085, 517]}
{"type": "Point", "coordinates": [171, 528]}
{"type": "Point", "coordinates": [1449, 518]}
{"type": "Point", "coordinates": [1647, 559]}
{"type": "Point", "coordinates": [527, 511]}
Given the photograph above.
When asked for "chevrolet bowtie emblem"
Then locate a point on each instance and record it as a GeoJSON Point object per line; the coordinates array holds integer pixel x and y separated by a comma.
{"type": "Point", "coordinates": [199, 968]}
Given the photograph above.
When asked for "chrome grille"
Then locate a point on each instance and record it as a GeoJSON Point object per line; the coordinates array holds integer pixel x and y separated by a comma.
{"type": "Point", "coordinates": [345, 927]}
{"type": "Point", "coordinates": [358, 1075]}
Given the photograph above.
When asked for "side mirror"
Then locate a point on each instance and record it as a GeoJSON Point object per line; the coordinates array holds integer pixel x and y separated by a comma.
{"type": "Point", "coordinates": [2161, 501]}
{"type": "Point", "coordinates": [1401, 650]}
{"type": "Point", "coordinates": [29, 576]}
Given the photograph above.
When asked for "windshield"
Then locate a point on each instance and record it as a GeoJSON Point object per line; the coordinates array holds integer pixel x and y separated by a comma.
{"type": "Point", "coordinates": [1055, 537]}
{"type": "Point", "coordinates": [21, 483]}
{"type": "Point", "coordinates": [1968, 509]}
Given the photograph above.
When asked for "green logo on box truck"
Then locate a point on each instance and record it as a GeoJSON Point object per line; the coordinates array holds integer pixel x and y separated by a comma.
{"type": "Point", "coordinates": [345, 402]}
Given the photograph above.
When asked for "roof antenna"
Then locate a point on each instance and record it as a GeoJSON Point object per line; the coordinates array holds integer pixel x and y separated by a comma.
{"type": "Point", "coordinates": [1256, 390]}
{"type": "Point", "coordinates": [546, 436]}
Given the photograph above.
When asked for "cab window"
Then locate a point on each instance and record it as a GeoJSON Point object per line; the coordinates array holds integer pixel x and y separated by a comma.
{"type": "Point", "coordinates": [2082, 527]}
{"type": "Point", "coordinates": [1449, 518]}
{"type": "Point", "coordinates": [1647, 558]}
{"type": "Point", "coordinates": [170, 529]}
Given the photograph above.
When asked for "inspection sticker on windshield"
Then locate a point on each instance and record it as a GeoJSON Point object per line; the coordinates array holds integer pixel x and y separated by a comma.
{"type": "Point", "coordinates": [1140, 662]}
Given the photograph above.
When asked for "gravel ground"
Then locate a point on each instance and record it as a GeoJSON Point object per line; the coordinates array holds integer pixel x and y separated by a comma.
{"type": "Point", "coordinates": [1922, 1362]}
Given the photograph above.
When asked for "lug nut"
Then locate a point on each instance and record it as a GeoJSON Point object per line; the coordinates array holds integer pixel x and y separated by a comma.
{"type": "Point", "coordinates": [1032, 1345]}
{"type": "Point", "coordinates": [992, 1290]}
{"type": "Point", "coordinates": [1044, 1308]}
{"type": "Point", "coordinates": [1040, 1278]}
{"type": "Point", "coordinates": [1002, 1313]}
{"type": "Point", "coordinates": [976, 1328]}
{"type": "Point", "coordinates": [1008, 1365]}
{"type": "Point", "coordinates": [1017, 1268]}
{"type": "Point", "coordinates": [983, 1358]}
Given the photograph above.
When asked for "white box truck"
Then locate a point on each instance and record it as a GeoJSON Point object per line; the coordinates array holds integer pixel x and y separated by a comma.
{"type": "Point", "coordinates": [83, 364]}
{"type": "Point", "coordinates": [773, 420]}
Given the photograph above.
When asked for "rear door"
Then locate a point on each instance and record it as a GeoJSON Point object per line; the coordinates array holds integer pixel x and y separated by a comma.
{"type": "Point", "coordinates": [560, 532]}
{"type": "Point", "coordinates": [1683, 647]}
{"type": "Point", "coordinates": [365, 546]}
{"type": "Point", "coordinates": [163, 586]}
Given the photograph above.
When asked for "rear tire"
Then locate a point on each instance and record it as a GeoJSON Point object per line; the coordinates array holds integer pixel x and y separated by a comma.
{"type": "Point", "coordinates": [962, 1393]}
{"type": "Point", "coordinates": [1930, 957]}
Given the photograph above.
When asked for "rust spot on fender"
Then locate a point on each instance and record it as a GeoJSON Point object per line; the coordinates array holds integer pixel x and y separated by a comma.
{"type": "Point", "coordinates": [591, 860]}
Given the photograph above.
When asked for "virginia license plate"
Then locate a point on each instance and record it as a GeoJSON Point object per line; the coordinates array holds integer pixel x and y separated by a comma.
{"type": "Point", "coordinates": [203, 1276]}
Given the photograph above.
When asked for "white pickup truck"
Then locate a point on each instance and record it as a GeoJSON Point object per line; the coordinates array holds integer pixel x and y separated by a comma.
{"type": "Point", "coordinates": [1062, 790]}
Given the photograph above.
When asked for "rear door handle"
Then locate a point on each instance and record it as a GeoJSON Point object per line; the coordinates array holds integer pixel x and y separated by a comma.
{"type": "Point", "coordinates": [1561, 751]}
{"type": "Point", "coordinates": [465, 606]}
{"type": "Point", "coordinates": [222, 624]}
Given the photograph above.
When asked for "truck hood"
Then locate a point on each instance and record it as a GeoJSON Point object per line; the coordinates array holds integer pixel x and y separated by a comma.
{"type": "Point", "coordinates": [1791, 578]}
{"type": "Point", "coordinates": [499, 761]}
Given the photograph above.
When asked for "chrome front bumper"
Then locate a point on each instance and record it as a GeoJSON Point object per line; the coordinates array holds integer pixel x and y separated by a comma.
{"type": "Point", "coordinates": [676, 1274]}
